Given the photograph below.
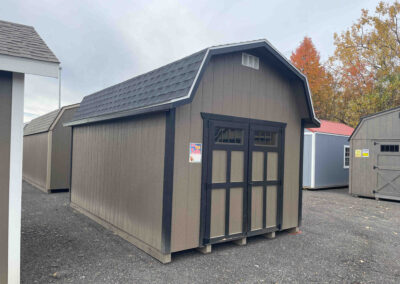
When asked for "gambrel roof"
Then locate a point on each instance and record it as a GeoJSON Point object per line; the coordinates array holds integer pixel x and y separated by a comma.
{"type": "Point", "coordinates": [170, 86]}
{"type": "Point", "coordinates": [45, 122]}
{"type": "Point", "coordinates": [362, 119]}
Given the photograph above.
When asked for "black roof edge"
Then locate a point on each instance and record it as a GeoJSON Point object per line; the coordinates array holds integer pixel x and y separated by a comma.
{"type": "Point", "coordinates": [117, 115]}
{"type": "Point", "coordinates": [370, 115]}
{"type": "Point", "coordinates": [312, 121]}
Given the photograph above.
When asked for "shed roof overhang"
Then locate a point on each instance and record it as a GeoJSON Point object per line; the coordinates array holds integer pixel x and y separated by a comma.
{"type": "Point", "coordinates": [28, 66]}
{"type": "Point", "coordinates": [310, 121]}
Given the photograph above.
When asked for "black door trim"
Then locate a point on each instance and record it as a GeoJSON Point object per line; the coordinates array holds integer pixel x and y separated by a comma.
{"type": "Point", "coordinates": [212, 116]}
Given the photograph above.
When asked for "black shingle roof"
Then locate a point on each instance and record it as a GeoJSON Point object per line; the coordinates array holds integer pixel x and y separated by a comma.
{"type": "Point", "coordinates": [23, 41]}
{"type": "Point", "coordinates": [169, 86]}
{"type": "Point", "coordinates": [160, 85]}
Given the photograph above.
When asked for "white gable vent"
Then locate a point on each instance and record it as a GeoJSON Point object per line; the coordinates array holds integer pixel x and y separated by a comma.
{"type": "Point", "coordinates": [250, 61]}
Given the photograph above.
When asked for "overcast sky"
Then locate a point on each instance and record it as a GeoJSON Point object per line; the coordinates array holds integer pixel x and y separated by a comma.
{"type": "Point", "coordinates": [101, 43]}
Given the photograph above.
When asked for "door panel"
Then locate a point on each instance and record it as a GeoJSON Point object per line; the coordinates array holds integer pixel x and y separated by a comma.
{"type": "Point", "coordinates": [256, 207]}
{"type": "Point", "coordinates": [236, 215]}
{"type": "Point", "coordinates": [219, 166]}
{"type": "Point", "coordinates": [272, 166]}
{"type": "Point", "coordinates": [257, 166]}
{"type": "Point", "coordinates": [271, 208]}
{"type": "Point", "coordinates": [218, 213]}
{"type": "Point", "coordinates": [237, 166]}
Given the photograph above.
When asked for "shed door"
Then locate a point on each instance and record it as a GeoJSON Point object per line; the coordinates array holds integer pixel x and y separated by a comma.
{"type": "Point", "coordinates": [265, 180]}
{"type": "Point", "coordinates": [227, 180]}
{"type": "Point", "coordinates": [243, 179]}
{"type": "Point", "coordinates": [388, 171]}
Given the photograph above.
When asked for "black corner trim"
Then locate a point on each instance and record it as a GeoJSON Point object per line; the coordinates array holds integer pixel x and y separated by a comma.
{"type": "Point", "coordinates": [300, 206]}
{"type": "Point", "coordinates": [168, 181]}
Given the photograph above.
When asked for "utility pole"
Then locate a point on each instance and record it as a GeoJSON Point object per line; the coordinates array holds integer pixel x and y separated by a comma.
{"type": "Point", "coordinates": [59, 87]}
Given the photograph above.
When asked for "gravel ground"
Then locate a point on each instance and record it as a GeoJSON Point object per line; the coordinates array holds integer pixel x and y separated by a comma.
{"type": "Point", "coordinates": [343, 239]}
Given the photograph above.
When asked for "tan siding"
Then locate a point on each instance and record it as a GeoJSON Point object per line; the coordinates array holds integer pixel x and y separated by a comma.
{"type": "Point", "coordinates": [61, 152]}
{"type": "Point", "coordinates": [229, 88]}
{"type": "Point", "coordinates": [5, 130]}
{"type": "Point", "coordinates": [379, 128]}
{"type": "Point", "coordinates": [117, 174]}
{"type": "Point", "coordinates": [35, 159]}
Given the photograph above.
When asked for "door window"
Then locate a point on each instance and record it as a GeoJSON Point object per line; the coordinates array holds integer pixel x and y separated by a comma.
{"type": "Point", "coordinates": [224, 135]}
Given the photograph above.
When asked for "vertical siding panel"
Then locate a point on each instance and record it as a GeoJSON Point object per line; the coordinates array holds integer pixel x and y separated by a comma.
{"type": "Point", "coordinates": [35, 159]}
{"type": "Point", "coordinates": [118, 171]}
{"type": "Point", "coordinates": [218, 84]}
{"type": "Point", "coordinates": [181, 178]}
{"type": "Point", "coordinates": [207, 92]}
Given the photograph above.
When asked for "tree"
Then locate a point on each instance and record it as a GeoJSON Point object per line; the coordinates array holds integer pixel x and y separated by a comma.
{"type": "Point", "coordinates": [366, 64]}
{"type": "Point", "coordinates": [307, 59]}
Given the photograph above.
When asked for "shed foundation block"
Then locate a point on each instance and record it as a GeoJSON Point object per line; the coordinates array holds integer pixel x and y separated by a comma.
{"type": "Point", "coordinates": [205, 250]}
{"type": "Point", "coordinates": [240, 242]}
{"type": "Point", "coordinates": [293, 230]}
{"type": "Point", "coordinates": [269, 235]}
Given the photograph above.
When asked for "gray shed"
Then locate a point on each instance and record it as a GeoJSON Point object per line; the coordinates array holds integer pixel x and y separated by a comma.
{"type": "Point", "coordinates": [326, 155]}
{"type": "Point", "coordinates": [375, 156]}
{"type": "Point", "coordinates": [204, 150]}
{"type": "Point", "coordinates": [47, 150]}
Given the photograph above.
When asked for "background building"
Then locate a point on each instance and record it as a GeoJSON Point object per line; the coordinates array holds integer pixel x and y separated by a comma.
{"type": "Point", "coordinates": [326, 155]}
{"type": "Point", "coordinates": [375, 156]}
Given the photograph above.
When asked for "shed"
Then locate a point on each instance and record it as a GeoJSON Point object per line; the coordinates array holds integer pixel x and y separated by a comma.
{"type": "Point", "coordinates": [22, 51]}
{"type": "Point", "coordinates": [47, 150]}
{"type": "Point", "coordinates": [375, 156]}
{"type": "Point", "coordinates": [203, 150]}
{"type": "Point", "coordinates": [326, 155]}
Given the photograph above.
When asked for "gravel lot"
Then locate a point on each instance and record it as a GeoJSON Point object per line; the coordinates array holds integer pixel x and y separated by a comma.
{"type": "Point", "coordinates": [343, 239]}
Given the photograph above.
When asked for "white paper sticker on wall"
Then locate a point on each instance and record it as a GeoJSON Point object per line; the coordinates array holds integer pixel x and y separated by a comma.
{"type": "Point", "coordinates": [365, 153]}
{"type": "Point", "coordinates": [195, 153]}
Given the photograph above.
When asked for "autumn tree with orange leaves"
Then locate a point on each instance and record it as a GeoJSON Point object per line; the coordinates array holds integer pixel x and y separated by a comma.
{"type": "Point", "coordinates": [363, 75]}
{"type": "Point", "coordinates": [366, 64]}
{"type": "Point", "coordinates": [307, 59]}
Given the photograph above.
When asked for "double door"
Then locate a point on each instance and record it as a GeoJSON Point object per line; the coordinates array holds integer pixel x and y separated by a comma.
{"type": "Point", "coordinates": [243, 178]}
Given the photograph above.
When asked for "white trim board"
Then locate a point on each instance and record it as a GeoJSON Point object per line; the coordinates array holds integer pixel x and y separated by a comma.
{"type": "Point", "coordinates": [15, 186]}
{"type": "Point", "coordinates": [312, 182]}
{"type": "Point", "coordinates": [28, 66]}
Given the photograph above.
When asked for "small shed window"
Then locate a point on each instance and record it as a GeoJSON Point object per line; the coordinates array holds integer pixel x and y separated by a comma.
{"type": "Point", "coordinates": [389, 148]}
{"type": "Point", "coordinates": [346, 163]}
{"type": "Point", "coordinates": [265, 138]}
{"type": "Point", "coordinates": [225, 135]}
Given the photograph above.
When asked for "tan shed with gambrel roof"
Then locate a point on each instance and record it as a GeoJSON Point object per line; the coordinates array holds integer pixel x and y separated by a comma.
{"type": "Point", "coordinates": [204, 150]}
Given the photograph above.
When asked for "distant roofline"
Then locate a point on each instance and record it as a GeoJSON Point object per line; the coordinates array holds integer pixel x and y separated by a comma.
{"type": "Point", "coordinates": [211, 51]}
{"type": "Point", "coordinates": [56, 119]}
{"type": "Point", "coordinates": [370, 116]}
